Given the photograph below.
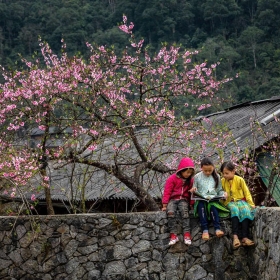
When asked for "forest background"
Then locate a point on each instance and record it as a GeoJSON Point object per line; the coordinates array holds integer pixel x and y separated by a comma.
{"type": "Point", "coordinates": [130, 94]}
{"type": "Point", "coordinates": [243, 35]}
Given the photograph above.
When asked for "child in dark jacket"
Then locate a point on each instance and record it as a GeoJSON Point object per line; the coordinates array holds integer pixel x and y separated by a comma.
{"type": "Point", "coordinates": [176, 197]}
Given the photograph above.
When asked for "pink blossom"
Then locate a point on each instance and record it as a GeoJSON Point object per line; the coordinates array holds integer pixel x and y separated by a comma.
{"type": "Point", "coordinates": [203, 106]}
{"type": "Point", "coordinates": [124, 28]}
{"type": "Point", "coordinates": [124, 19]}
{"type": "Point", "coordinates": [92, 147]}
{"type": "Point", "coordinates": [107, 97]}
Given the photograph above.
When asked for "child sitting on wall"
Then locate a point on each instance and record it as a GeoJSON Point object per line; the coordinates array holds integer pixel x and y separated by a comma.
{"type": "Point", "coordinates": [176, 197]}
{"type": "Point", "coordinates": [240, 203]}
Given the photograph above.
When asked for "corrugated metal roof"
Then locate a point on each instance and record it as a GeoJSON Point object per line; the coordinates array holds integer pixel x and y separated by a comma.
{"type": "Point", "coordinates": [100, 185]}
{"type": "Point", "coordinates": [52, 130]}
{"type": "Point", "coordinates": [67, 183]}
{"type": "Point", "coordinates": [239, 118]}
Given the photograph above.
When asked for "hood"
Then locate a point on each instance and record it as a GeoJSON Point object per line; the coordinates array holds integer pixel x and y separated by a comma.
{"type": "Point", "coordinates": [185, 163]}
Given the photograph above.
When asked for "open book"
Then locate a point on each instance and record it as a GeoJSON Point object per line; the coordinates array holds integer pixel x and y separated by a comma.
{"type": "Point", "coordinates": [198, 196]}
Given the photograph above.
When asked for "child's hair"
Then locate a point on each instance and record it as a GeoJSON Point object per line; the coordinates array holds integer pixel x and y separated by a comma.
{"type": "Point", "coordinates": [208, 161]}
{"type": "Point", "coordinates": [186, 180]}
{"type": "Point", "coordinates": [228, 165]}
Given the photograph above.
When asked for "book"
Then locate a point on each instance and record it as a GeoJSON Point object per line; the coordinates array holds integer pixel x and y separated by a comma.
{"type": "Point", "coordinates": [198, 196]}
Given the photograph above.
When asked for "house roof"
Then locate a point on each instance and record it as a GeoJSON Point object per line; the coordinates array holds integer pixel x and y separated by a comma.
{"type": "Point", "coordinates": [52, 130]}
{"type": "Point", "coordinates": [99, 185]}
{"type": "Point", "coordinates": [67, 182]}
{"type": "Point", "coordinates": [239, 119]}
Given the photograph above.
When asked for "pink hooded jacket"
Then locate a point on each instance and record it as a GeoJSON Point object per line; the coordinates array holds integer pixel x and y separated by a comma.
{"type": "Point", "coordinates": [174, 187]}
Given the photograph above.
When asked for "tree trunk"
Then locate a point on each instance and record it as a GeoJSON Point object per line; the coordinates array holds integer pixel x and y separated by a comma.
{"type": "Point", "coordinates": [151, 204]}
{"type": "Point", "coordinates": [139, 191]}
{"type": "Point", "coordinates": [50, 209]}
{"type": "Point", "coordinates": [130, 182]}
{"type": "Point", "coordinates": [147, 200]}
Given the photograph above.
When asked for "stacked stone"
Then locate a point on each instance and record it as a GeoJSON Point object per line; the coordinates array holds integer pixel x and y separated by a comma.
{"type": "Point", "coordinates": [266, 230]}
{"type": "Point", "coordinates": [114, 246]}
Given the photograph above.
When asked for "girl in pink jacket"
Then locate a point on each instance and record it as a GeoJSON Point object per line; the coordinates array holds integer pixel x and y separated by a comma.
{"type": "Point", "coordinates": [176, 197]}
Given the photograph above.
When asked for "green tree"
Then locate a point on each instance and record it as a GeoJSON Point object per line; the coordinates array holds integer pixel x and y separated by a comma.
{"type": "Point", "coordinates": [250, 39]}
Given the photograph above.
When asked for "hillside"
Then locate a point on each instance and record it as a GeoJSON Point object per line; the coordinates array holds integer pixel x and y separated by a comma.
{"type": "Point", "coordinates": [242, 35]}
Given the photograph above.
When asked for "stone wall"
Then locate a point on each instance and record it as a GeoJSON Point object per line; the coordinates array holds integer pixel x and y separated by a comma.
{"type": "Point", "coordinates": [266, 232]}
{"type": "Point", "coordinates": [131, 246]}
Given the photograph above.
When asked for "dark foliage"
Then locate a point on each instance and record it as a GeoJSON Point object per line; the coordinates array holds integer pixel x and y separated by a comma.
{"type": "Point", "coordinates": [242, 35]}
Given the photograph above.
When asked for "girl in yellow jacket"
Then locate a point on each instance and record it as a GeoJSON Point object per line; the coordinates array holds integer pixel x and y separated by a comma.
{"type": "Point", "coordinates": [240, 203]}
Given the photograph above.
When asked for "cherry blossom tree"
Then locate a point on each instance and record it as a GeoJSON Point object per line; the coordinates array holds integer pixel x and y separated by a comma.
{"type": "Point", "coordinates": [126, 113]}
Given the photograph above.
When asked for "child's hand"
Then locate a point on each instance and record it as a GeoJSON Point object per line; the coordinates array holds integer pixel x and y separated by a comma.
{"type": "Point", "coordinates": [164, 207]}
{"type": "Point", "coordinates": [225, 195]}
{"type": "Point", "coordinates": [194, 189]}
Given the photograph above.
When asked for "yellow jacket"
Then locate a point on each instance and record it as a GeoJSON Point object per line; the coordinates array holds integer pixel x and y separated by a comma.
{"type": "Point", "coordinates": [236, 190]}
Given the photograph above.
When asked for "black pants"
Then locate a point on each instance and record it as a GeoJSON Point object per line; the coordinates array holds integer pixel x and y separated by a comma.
{"type": "Point", "coordinates": [244, 227]}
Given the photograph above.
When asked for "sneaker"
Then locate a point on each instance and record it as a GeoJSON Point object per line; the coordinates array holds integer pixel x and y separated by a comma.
{"type": "Point", "coordinates": [173, 239]}
{"type": "Point", "coordinates": [187, 238]}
